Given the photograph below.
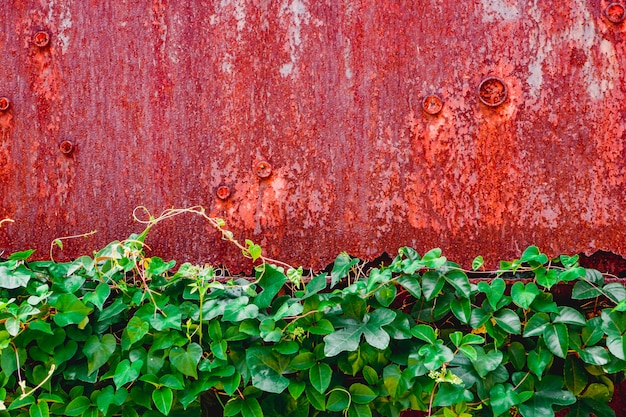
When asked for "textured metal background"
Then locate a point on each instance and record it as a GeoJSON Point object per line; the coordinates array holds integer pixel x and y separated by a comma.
{"type": "Point", "coordinates": [164, 102]}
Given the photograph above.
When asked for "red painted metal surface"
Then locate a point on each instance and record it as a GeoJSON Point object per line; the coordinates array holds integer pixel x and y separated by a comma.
{"type": "Point", "coordinates": [304, 125]}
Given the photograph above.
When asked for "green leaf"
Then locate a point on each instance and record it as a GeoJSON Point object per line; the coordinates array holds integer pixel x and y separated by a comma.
{"type": "Point", "coordinates": [411, 284]}
{"type": "Point", "coordinates": [556, 337]}
{"type": "Point", "coordinates": [266, 368]}
{"type": "Point", "coordinates": [135, 330]}
{"type": "Point", "coordinates": [494, 292]}
{"type": "Point", "coordinates": [317, 400]}
{"type": "Point", "coordinates": [359, 410]}
{"type": "Point", "coordinates": [99, 296]}
{"type": "Point", "coordinates": [77, 406]}
{"type": "Point", "coordinates": [163, 398]}
{"type": "Point", "coordinates": [503, 397]}
{"type": "Point", "coordinates": [39, 409]}
{"type": "Point", "coordinates": [21, 256]}
{"type": "Point", "coordinates": [346, 339]}
{"type": "Point", "coordinates": [386, 294]}
{"type": "Point", "coordinates": [251, 408]}
{"type": "Point", "coordinates": [433, 259]}
{"type": "Point", "coordinates": [302, 361]}
{"type": "Point", "coordinates": [524, 295]}
{"type": "Point", "coordinates": [271, 280]}
{"type": "Point", "coordinates": [477, 263]}
{"type": "Point", "coordinates": [186, 361]}
{"type": "Point", "coordinates": [568, 315]}
{"type": "Point", "coordinates": [373, 327]}
{"type": "Point", "coordinates": [315, 285]}
{"type": "Point", "coordinates": [575, 376]}
{"type": "Point", "coordinates": [98, 351]}
{"type": "Point", "coordinates": [126, 372]}
{"type": "Point", "coordinates": [40, 326]}
{"type": "Point", "coordinates": [70, 310]}
{"type": "Point", "coordinates": [320, 375]}
{"type": "Point", "coordinates": [14, 278]}
{"type": "Point", "coordinates": [341, 267]}
{"type": "Point", "coordinates": [393, 381]}
{"type": "Point", "coordinates": [584, 290]}
{"type": "Point", "coordinates": [517, 355]}
{"type": "Point", "coordinates": [539, 359]}
{"type": "Point", "coordinates": [533, 255]}
{"type": "Point", "coordinates": [547, 279]}
{"type": "Point", "coordinates": [508, 321]}
{"type": "Point", "coordinates": [615, 291]}
{"type": "Point", "coordinates": [338, 400]}
{"type": "Point", "coordinates": [487, 361]}
{"type": "Point", "coordinates": [536, 325]}
{"type": "Point", "coordinates": [436, 355]}
{"type": "Point", "coordinates": [296, 388]}
{"type": "Point", "coordinates": [462, 309]}
{"type": "Point", "coordinates": [425, 333]}
{"type": "Point", "coordinates": [362, 394]}
{"type": "Point", "coordinates": [459, 281]}
{"type": "Point", "coordinates": [432, 284]}
{"type": "Point", "coordinates": [548, 393]}
{"type": "Point", "coordinates": [595, 355]}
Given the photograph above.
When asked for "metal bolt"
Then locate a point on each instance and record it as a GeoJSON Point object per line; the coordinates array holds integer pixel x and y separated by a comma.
{"type": "Point", "coordinates": [223, 192]}
{"type": "Point", "coordinates": [41, 39]}
{"type": "Point", "coordinates": [492, 91]}
{"type": "Point", "coordinates": [4, 104]}
{"type": "Point", "coordinates": [66, 147]}
{"type": "Point", "coordinates": [432, 104]}
{"type": "Point", "coordinates": [615, 12]}
{"type": "Point", "coordinates": [263, 169]}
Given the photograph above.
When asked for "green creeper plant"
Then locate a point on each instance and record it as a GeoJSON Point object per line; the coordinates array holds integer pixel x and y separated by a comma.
{"type": "Point", "coordinates": [121, 334]}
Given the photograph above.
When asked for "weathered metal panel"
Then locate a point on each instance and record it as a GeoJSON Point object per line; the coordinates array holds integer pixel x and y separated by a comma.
{"type": "Point", "coordinates": [162, 103]}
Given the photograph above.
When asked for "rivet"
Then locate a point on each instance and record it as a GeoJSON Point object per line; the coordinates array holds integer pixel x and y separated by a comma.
{"type": "Point", "coordinates": [4, 104]}
{"type": "Point", "coordinates": [263, 169]}
{"type": "Point", "coordinates": [66, 147]}
{"type": "Point", "coordinates": [41, 39]}
{"type": "Point", "coordinates": [223, 192]}
{"type": "Point", "coordinates": [615, 12]}
{"type": "Point", "coordinates": [492, 91]}
{"type": "Point", "coordinates": [432, 104]}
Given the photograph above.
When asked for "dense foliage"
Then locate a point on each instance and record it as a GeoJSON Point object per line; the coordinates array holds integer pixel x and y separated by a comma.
{"type": "Point", "coordinates": [119, 333]}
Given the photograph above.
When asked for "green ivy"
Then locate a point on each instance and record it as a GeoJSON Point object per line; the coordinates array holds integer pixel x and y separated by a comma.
{"type": "Point", "coordinates": [122, 334]}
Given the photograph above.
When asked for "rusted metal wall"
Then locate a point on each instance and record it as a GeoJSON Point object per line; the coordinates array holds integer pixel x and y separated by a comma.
{"type": "Point", "coordinates": [311, 117]}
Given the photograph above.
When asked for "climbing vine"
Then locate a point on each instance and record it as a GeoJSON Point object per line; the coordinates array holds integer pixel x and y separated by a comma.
{"type": "Point", "coordinates": [118, 333]}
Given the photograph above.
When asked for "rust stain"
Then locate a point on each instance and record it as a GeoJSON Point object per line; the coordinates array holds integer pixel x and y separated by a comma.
{"type": "Point", "coordinates": [313, 128]}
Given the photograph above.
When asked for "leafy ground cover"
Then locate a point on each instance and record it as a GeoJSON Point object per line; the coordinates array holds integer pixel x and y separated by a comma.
{"type": "Point", "coordinates": [119, 333]}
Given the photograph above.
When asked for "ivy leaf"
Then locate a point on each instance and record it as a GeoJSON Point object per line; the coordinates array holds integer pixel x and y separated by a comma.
{"type": "Point", "coordinates": [494, 292]}
{"type": "Point", "coordinates": [14, 278]}
{"type": "Point", "coordinates": [296, 388]}
{"type": "Point", "coordinates": [271, 280]}
{"type": "Point", "coordinates": [477, 263]}
{"type": "Point", "coordinates": [362, 394]}
{"type": "Point", "coordinates": [548, 393]}
{"type": "Point", "coordinates": [98, 296]}
{"type": "Point", "coordinates": [341, 267]}
{"type": "Point", "coordinates": [411, 284]}
{"type": "Point", "coordinates": [315, 285]}
{"type": "Point", "coordinates": [126, 372]}
{"type": "Point", "coordinates": [536, 325]}
{"type": "Point", "coordinates": [320, 375]}
{"type": "Point", "coordinates": [508, 321]}
{"type": "Point", "coordinates": [538, 360]}
{"type": "Point", "coordinates": [359, 410]}
{"type": "Point", "coordinates": [135, 330]}
{"type": "Point", "coordinates": [432, 284]}
{"type": "Point", "coordinates": [77, 406]}
{"type": "Point", "coordinates": [459, 281]}
{"type": "Point", "coordinates": [556, 337]}
{"type": "Point", "coordinates": [435, 355]}
{"type": "Point", "coordinates": [503, 397]}
{"type": "Point", "coordinates": [524, 295]}
{"type": "Point", "coordinates": [372, 328]}
{"type": "Point", "coordinates": [71, 310]}
{"type": "Point", "coordinates": [39, 409]}
{"type": "Point", "coordinates": [462, 309]}
{"type": "Point", "coordinates": [266, 368]}
{"type": "Point", "coordinates": [343, 340]}
{"type": "Point", "coordinates": [186, 361]}
{"type": "Point", "coordinates": [338, 400]}
{"type": "Point", "coordinates": [487, 362]}
{"type": "Point", "coordinates": [575, 376]}
{"type": "Point", "coordinates": [163, 398]}
{"type": "Point", "coordinates": [568, 315]}
{"type": "Point", "coordinates": [251, 408]}
{"type": "Point", "coordinates": [98, 351]}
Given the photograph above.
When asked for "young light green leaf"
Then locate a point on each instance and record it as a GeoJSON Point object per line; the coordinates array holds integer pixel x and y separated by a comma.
{"type": "Point", "coordinates": [477, 263]}
{"type": "Point", "coordinates": [163, 398]}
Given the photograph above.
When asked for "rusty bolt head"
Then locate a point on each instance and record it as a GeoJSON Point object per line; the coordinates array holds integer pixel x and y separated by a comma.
{"type": "Point", "coordinates": [41, 39]}
{"type": "Point", "coordinates": [432, 104]}
{"type": "Point", "coordinates": [4, 104]}
{"type": "Point", "coordinates": [615, 12]}
{"type": "Point", "coordinates": [263, 169]}
{"type": "Point", "coordinates": [492, 91]}
{"type": "Point", "coordinates": [66, 147]}
{"type": "Point", "coordinates": [223, 192]}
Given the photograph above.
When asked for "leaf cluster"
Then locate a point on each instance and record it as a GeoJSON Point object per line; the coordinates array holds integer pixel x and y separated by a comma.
{"type": "Point", "coordinates": [122, 334]}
